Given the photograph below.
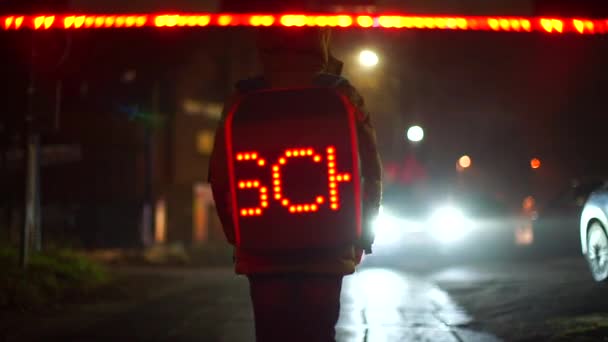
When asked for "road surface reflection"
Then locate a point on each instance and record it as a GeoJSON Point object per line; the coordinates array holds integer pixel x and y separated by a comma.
{"type": "Point", "coordinates": [381, 304]}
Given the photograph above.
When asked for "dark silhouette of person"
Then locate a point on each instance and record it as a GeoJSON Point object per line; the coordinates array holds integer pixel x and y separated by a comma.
{"type": "Point", "coordinates": [296, 297]}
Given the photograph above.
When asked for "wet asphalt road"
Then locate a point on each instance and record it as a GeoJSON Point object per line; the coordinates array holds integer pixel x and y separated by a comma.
{"type": "Point", "coordinates": [412, 301]}
{"type": "Point", "coordinates": [378, 304]}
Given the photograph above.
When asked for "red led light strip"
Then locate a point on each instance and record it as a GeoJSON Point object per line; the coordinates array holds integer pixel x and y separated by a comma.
{"type": "Point", "coordinates": [333, 179]}
{"type": "Point", "coordinates": [248, 184]}
{"type": "Point", "coordinates": [276, 176]}
{"type": "Point", "coordinates": [231, 176]}
{"type": "Point", "coordinates": [505, 24]}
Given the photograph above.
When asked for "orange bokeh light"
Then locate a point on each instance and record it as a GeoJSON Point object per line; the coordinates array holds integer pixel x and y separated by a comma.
{"type": "Point", "coordinates": [465, 162]}
{"type": "Point", "coordinates": [535, 163]}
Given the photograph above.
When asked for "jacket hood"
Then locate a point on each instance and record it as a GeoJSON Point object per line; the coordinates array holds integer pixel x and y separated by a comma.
{"type": "Point", "coordinates": [293, 56]}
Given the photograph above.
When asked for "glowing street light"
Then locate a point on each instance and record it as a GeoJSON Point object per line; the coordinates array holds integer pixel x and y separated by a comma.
{"type": "Point", "coordinates": [368, 58]}
{"type": "Point", "coordinates": [415, 134]}
{"type": "Point", "coordinates": [463, 163]}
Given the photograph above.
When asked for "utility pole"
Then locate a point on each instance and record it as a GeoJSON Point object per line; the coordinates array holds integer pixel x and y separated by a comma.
{"type": "Point", "coordinates": [31, 147]}
{"type": "Point", "coordinates": [148, 223]}
{"type": "Point", "coordinates": [145, 117]}
{"type": "Point", "coordinates": [40, 55]}
{"type": "Point", "coordinates": [5, 199]}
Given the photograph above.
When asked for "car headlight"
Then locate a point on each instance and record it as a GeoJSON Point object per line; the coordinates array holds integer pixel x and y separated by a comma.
{"type": "Point", "coordinates": [387, 228]}
{"type": "Point", "coordinates": [449, 224]}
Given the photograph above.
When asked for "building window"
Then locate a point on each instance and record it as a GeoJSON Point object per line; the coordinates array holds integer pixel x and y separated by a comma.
{"type": "Point", "coordinates": [204, 142]}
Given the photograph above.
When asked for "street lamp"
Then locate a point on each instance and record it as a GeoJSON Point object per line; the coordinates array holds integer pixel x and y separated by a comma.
{"type": "Point", "coordinates": [463, 163]}
{"type": "Point", "coordinates": [415, 134]}
{"type": "Point", "coordinates": [368, 58]}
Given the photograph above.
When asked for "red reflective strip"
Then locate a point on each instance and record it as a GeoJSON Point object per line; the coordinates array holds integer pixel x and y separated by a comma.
{"type": "Point", "coordinates": [231, 175]}
{"type": "Point", "coordinates": [355, 160]}
{"type": "Point", "coordinates": [393, 21]}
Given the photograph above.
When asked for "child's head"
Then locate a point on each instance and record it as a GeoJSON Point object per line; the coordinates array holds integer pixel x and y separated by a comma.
{"type": "Point", "coordinates": [311, 41]}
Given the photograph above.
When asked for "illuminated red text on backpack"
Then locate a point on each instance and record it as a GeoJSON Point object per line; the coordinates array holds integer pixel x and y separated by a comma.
{"type": "Point", "coordinates": [253, 184]}
{"type": "Point", "coordinates": [277, 180]}
{"type": "Point", "coordinates": [333, 178]}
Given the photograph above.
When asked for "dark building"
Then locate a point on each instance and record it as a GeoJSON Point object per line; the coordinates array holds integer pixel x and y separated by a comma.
{"type": "Point", "coordinates": [122, 110]}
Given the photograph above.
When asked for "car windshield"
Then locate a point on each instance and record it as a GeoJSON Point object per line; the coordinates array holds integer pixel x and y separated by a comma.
{"type": "Point", "coordinates": [491, 131]}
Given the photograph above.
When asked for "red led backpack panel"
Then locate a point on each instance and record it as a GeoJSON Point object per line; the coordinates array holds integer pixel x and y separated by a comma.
{"type": "Point", "coordinates": [294, 169]}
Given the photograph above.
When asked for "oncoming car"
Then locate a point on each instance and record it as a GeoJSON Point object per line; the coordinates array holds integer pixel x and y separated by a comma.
{"type": "Point", "coordinates": [594, 237]}
{"type": "Point", "coordinates": [455, 225]}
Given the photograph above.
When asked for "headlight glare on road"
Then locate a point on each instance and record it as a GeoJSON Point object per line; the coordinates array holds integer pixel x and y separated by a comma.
{"type": "Point", "coordinates": [449, 224]}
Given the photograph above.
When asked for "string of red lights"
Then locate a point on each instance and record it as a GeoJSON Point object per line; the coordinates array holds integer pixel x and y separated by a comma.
{"type": "Point", "coordinates": [333, 179]}
{"type": "Point", "coordinates": [463, 23]}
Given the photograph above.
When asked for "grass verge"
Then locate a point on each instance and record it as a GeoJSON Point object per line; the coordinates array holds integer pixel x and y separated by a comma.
{"type": "Point", "coordinates": [174, 255]}
{"type": "Point", "coordinates": [49, 278]}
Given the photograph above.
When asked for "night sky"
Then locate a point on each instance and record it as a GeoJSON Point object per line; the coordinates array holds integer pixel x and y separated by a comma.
{"type": "Point", "coordinates": [501, 98]}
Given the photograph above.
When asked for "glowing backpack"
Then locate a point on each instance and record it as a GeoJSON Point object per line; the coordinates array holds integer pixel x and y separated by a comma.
{"type": "Point", "coordinates": [293, 165]}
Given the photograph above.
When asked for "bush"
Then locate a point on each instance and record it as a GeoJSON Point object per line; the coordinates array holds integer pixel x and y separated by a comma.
{"type": "Point", "coordinates": [49, 277]}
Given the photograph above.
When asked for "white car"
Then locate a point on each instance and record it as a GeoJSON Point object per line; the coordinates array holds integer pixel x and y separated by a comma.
{"type": "Point", "coordinates": [594, 238]}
